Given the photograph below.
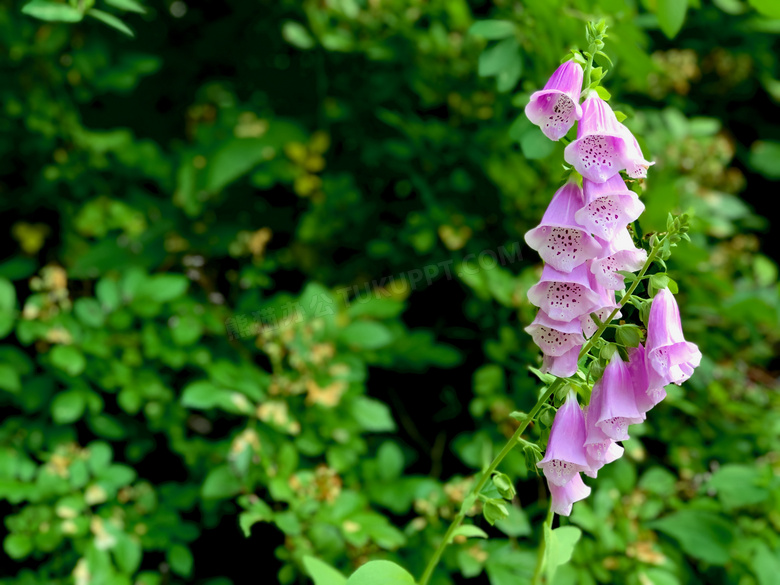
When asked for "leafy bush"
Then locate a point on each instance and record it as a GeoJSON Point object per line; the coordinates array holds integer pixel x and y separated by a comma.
{"type": "Point", "coordinates": [264, 284]}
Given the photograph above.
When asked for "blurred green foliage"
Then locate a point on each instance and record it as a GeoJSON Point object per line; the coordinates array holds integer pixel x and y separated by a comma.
{"type": "Point", "coordinates": [235, 299]}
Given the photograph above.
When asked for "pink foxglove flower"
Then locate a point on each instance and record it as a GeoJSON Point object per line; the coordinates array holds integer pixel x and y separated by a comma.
{"type": "Point", "coordinates": [609, 207]}
{"type": "Point", "coordinates": [646, 397]}
{"type": "Point", "coordinates": [604, 147]}
{"type": "Point", "coordinates": [670, 359]}
{"type": "Point", "coordinates": [559, 239]}
{"type": "Point", "coordinates": [564, 496]}
{"type": "Point", "coordinates": [603, 308]}
{"type": "Point", "coordinates": [564, 365]}
{"type": "Point", "coordinates": [635, 163]}
{"type": "Point", "coordinates": [565, 455]}
{"type": "Point", "coordinates": [618, 404]}
{"type": "Point", "coordinates": [620, 253]}
{"type": "Point", "coordinates": [599, 448]}
{"type": "Point", "coordinates": [555, 108]}
{"type": "Point", "coordinates": [555, 338]}
{"type": "Point", "coordinates": [564, 296]}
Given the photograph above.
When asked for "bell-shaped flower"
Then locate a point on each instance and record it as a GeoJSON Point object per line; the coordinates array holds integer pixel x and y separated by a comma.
{"type": "Point", "coordinates": [599, 448]}
{"type": "Point", "coordinates": [556, 107]}
{"type": "Point", "coordinates": [555, 338]}
{"type": "Point", "coordinates": [618, 407]}
{"type": "Point", "coordinates": [564, 365]}
{"type": "Point", "coordinates": [604, 146]}
{"type": "Point", "coordinates": [565, 455]}
{"type": "Point", "coordinates": [646, 397]}
{"type": "Point", "coordinates": [670, 359]}
{"type": "Point", "coordinates": [620, 253]}
{"type": "Point", "coordinates": [564, 496]}
{"type": "Point", "coordinates": [603, 308]}
{"type": "Point", "coordinates": [609, 207]}
{"type": "Point", "coordinates": [635, 164]}
{"type": "Point", "coordinates": [559, 239]}
{"type": "Point", "coordinates": [564, 296]}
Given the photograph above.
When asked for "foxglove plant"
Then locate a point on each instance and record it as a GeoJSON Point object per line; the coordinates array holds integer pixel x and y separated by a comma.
{"type": "Point", "coordinates": [585, 239]}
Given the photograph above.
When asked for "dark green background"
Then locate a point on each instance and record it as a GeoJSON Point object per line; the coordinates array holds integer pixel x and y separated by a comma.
{"type": "Point", "coordinates": [368, 139]}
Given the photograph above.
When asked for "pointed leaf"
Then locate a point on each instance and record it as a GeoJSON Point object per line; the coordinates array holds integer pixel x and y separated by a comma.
{"type": "Point", "coordinates": [110, 20]}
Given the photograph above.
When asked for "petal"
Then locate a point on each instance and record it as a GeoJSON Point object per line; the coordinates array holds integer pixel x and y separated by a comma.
{"type": "Point", "coordinates": [564, 365]}
{"type": "Point", "coordinates": [553, 111]}
{"type": "Point", "coordinates": [565, 454]}
{"type": "Point", "coordinates": [564, 496]}
{"type": "Point", "coordinates": [555, 338]}
{"type": "Point", "coordinates": [607, 211]}
{"type": "Point", "coordinates": [564, 296]}
{"type": "Point", "coordinates": [618, 404]}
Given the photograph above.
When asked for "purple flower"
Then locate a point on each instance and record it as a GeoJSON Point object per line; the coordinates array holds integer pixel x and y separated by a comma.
{"type": "Point", "coordinates": [620, 253]}
{"type": "Point", "coordinates": [559, 239]}
{"type": "Point", "coordinates": [618, 405]}
{"type": "Point", "coordinates": [555, 338]}
{"type": "Point", "coordinates": [604, 146]}
{"type": "Point", "coordinates": [646, 397]}
{"type": "Point", "coordinates": [564, 496]}
{"type": "Point", "coordinates": [599, 448]}
{"type": "Point", "coordinates": [563, 365]}
{"type": "Point", "coordinates": [603, 308]}
{"type": "Point", "coordinates": [565, 456]}
{"type": "Point", "coordinates": [670, 359]}
{"type": "Point", "coordinates": [635, 164]}
{"type": "Point", "coordinates": [609, 207]}
{"type": "Point", "coordinates": [564, 296]}
{"type": "Point", "coordinates": [555, 108]}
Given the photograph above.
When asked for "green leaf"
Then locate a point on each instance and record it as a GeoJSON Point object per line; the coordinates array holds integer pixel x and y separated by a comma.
{"type": "Point", "coordinates": [129, 5]}
{"type": "Point", "coordinates": [603, 93]}
{"type": "Point", "coordinates": [68, 359]}
{"type": "Point", "coordinates": [89, 312]}
{"type": "Point", "coordinates": [10, 379]}
{"type": "Point", "coordinates": [52, 11]}
{"type": "Point", "coordinates": [180, 559]}
{"type": "Point", "coordinates": [7, 296]}
{"type": "Point", "coordinates": [128, 554]}
{"type": "Point", "coordinates": [220, 483]}
{"type": "Point", "coordinates": [515, 524]}
{"type": "Point", "coordinates": [372, 415]}
{"type": "Point", "coordinates": [770, 8]}
{"type": "Point", "coordinates": [535, 145]}
{"type": "Point", "coordinates": [671, 14]}
{"type": "Point", "coordinates": [258, 512]}
{"type": "Point", "coordinates": [366, 335]}
{"type": "Point", "coordinates": [163, 288]}
{"type": "Point", "coordinates": [17, 546]}
{"type": "Point", "coordinates": [67, 407]}
{"type": "Point", "coordinates": [380, 573]}
{"type": "Point", "coordinates": [469, 531]}
{"type": "Point", "coordinates": [500, 57]}
{"type": "Point", "coordinates": [738, 485]}
{"type": "Point", "coordinates": [492, 29]}
{"type": "Point", "coordinates": [111, 21]}
{"type": "Point", "coordinates": [558, 547]}
{"type": "Point", "coordinates": [297, 35]}
{"type": "Point", "coordinates": [620, 115]}
{"type": "Point", "coordinates": [765, 158]}
{"type": "Point", "coordinates": [703, 535]}
{"type": "Point", "coordinates": [322, 573]}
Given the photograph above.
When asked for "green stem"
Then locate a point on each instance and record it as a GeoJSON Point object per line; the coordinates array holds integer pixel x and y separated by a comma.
{"type": "Point", "coordinates": [540, 556]}
{"type": "Point", "coordinates": [588, 69]}
{"type": "Point", "coordinates": [510, 444]}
